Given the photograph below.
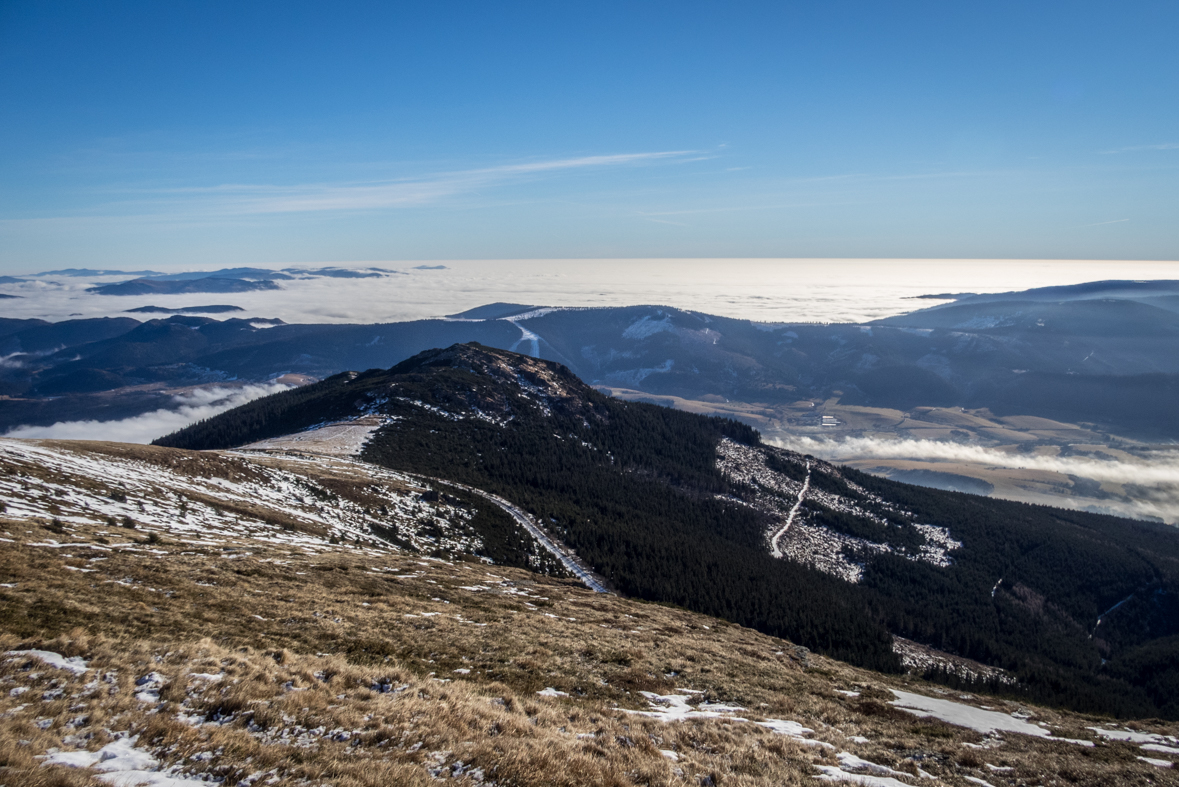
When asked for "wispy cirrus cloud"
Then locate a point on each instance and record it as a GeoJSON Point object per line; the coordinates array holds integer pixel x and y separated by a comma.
{"type": "Point", "coordinates": [392, 193]}
{"type": "Point", "coordinates": [1135, 148]}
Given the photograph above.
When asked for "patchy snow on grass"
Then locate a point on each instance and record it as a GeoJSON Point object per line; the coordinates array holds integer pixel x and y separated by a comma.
{"type": "Point", "coordinates": [984, 721]}
{"type": "Point", "coordinates": [1133, 737]}
{"type": "Point", "coordinates": [850, 762]}
{"type": "Point", "coordinates": [1156, 762]}
{"type": "Point", "coordinates": [981, 720]}
{"type": "Point", "coordinates": [977, 780]}
{"type": "Point", "coordinates": [149, 687]}
{"type": "Point", "coordinates": [76, 664]}
{"type": "Point", "coordinates": [833, 773]}
{"type": "Point", "coordinates": [122, 765]}
{"type": "Point", "coordinates": [670, 708]}
{"type": "Point", "coordinates": [259, 497]}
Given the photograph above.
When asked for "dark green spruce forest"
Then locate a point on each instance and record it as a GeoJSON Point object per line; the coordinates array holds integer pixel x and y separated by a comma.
{"type": "Point", "coordinates": [635, 490]}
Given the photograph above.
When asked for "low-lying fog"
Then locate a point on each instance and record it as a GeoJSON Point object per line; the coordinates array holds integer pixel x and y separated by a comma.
{"type": "Point", "coordinates": [190, 407]}
{"type": "Point", "coordinates": [1150, 481]}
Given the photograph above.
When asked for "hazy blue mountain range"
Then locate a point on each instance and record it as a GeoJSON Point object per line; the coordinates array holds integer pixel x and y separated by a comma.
{"type": "Point", "coordinates": [87, 272]}
{"type": "Point", "coordinates": [215, 309]}
{"type": "Point", "coordinates": [162, 286]}
{"type": "Point", "coordinates": [228, 280]}
{"type": "Point", "coordinates": [1082, 356]}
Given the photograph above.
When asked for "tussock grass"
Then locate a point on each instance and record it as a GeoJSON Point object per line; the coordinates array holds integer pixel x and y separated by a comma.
{"type": "Point", "coordinates": [355, 668]}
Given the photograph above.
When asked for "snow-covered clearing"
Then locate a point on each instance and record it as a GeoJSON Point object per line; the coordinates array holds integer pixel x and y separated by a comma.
{"type": "Point", "coordinates": [526, 335]}
{"type": "Point", "coordinates": [921, 658]}
{"type": "Point", "coordinates": [647, 326]}
{"type": "Point", "coordinates": [339, 438]}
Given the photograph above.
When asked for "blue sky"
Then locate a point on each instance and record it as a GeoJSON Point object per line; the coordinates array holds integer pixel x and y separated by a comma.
{"type": "Point", "coordinates": [214, 133]}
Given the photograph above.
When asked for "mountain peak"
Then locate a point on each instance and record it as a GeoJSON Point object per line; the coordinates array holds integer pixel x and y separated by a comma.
{"type": "Point", "coordinates": [549, 380]}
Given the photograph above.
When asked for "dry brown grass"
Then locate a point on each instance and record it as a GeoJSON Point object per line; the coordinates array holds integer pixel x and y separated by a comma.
{"type": "Point", "coordinates": [369, 646]}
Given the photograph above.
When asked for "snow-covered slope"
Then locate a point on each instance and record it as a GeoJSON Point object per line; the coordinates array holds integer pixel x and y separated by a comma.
{"type": "Point", "coordinates": [793, 506]}
{"type": "Point", "coordinates": [314, 504]}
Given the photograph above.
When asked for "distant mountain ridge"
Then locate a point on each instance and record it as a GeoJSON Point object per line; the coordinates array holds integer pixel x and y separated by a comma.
{"type": "Point", "coordinates": [1121, 289]}
{"type": "Point", "coordinates": [694, 511]}
{"type": "Point", "coordinates": [213, 309]}
{"type": "Point", "coordinates": [156, 286]}
{"type": "Point", "coordinates": [1085, 357]}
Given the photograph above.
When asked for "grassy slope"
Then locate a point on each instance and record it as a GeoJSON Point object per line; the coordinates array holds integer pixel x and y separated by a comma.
{"type": "Point", "coordinates": [330, 626]}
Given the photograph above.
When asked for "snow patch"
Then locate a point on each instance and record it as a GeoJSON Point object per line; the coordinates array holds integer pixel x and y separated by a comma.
{"type": "Point", "coordinates": [122, 765]}
{"type": "Point", "coordinates": [647, 326]}
{"type": "Point", "coordinates": [832, 773]}
{"type": "Point", "coordinates": [984, 721]}
{"type": "Point", "coordinates": [1133, 737]}
{"type": "Point", "coordinates": [669, 708]}
{"type": "Point", "coordinates": [75, 664]}
{"type": "Point", "coordinates": [1156, 762]}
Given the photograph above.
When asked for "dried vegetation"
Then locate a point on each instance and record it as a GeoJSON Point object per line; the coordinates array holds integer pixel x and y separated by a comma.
{"type": "Point", "coordinates": [260, 663]}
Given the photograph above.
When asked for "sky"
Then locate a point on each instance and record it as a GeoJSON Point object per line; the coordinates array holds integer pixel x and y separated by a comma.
{"type": "Point", "coordinates": [206, 134]}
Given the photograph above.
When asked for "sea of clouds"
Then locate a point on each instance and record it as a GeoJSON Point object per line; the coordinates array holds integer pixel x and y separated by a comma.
{"type": "Point", "coordinates": [767, 290]}
{"type": "Point", "coordinates": [189, 408]}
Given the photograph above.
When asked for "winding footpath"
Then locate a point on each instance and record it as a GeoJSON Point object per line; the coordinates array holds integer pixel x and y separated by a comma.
{"type": "Point", "coordinates": [345, 442]}
{"type": "Point", "coordinates": [568, 558]}
{"type": "Point", "coordinates": [806, 484]}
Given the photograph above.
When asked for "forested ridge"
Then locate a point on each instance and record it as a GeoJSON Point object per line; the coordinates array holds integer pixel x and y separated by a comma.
{"type": "Point", "coordinates": [635, 490]}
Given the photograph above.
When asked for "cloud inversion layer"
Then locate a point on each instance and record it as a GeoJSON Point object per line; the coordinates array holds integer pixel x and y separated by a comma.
{"type": "Point", "coordinates": [192, 407]}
